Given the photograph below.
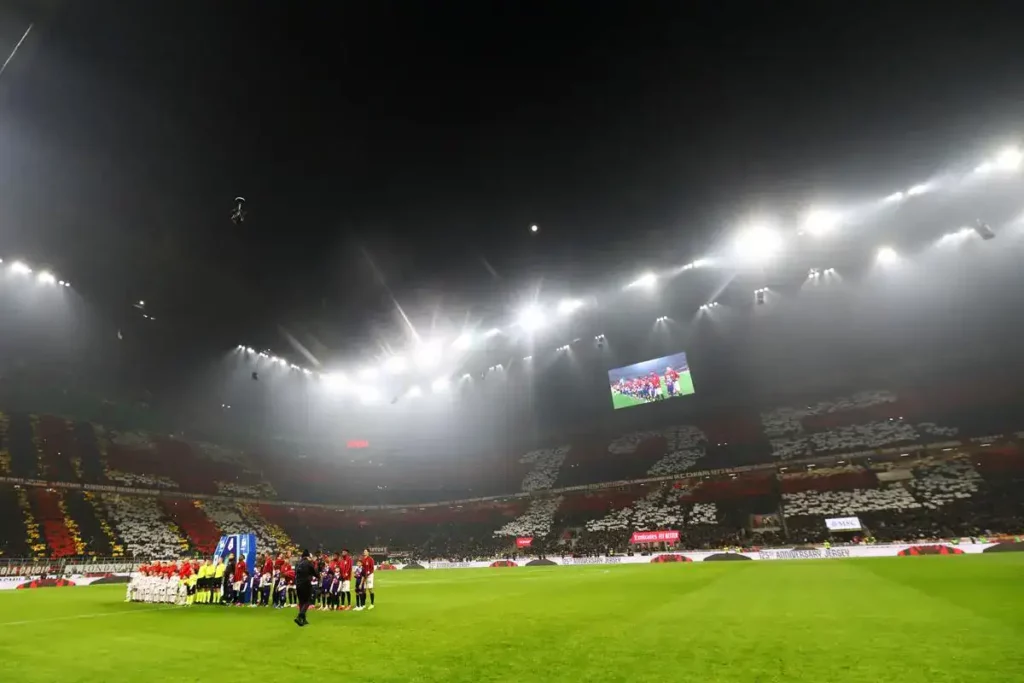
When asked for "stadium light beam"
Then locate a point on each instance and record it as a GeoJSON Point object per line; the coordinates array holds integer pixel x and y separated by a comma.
{"type": "Point", "coordinates": [463, 341]}
{"type": "Point", "coordinates": [46, 278]}
{"type": "Point", "coordinates": [919, 189]}
{"type": "Point", "coordinates": [19, 268]}
{"type": "Point", "coordinates": [493, 332]}
{"type": "Point", "coordinates": [645, 281]}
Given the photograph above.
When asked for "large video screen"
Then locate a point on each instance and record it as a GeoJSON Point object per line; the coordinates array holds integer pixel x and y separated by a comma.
{"type": "Point", "coordinates": [658, 379]}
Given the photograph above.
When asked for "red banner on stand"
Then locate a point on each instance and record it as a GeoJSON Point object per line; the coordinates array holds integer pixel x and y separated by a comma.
{"type": "Point", "coordinates": [655, 537]}
{"type": "Point", "coordinates": [524, 541]}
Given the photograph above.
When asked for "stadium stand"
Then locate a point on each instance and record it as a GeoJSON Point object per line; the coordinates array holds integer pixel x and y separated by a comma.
{"type": "Point", "coordinates": [12, 525]}
{"type": "Point", "coordinates": [144, 528]}
{"type": "Point", "coordinates": [196, 527]}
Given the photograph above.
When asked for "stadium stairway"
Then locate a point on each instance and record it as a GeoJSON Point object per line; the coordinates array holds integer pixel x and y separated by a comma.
{"type": "Point", "coordinates": [54, 442]}
{"type": "Point", "coordinates": [195, 525]}
{"type": "Point", "coordinates": [24, 458]}
{"type": "Point", "coordinates": [98, 539]}
{"type": "Point", "coordinates": [89, 452]}
{"type": "Point", "coordinates": [61, 534]}
{"type": "Point", "coordinates": [12, 527]}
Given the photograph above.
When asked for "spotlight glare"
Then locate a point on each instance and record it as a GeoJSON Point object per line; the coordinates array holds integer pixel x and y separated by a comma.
{"type": "Point", "coordinates": [334, 382]}
{"type": "Point", "coordinates": [567, 306]}
{"type": "Point", "coordinates": [440, 384]}
{"type": "Point", "coordinates": [531, 318]}
{"type": "Point", "coordinates": [368, 373]}
{"type": "Point", "coordinates": [647, 281]}
{"type": "Point", "coordinates": [463, 341]}
{"type": "Point", "coordinates": [395, 365]}
{"type": "Point", "coordinates": [428, 355]}
{"type": "Point", "coordinates": [887, 256]}
{"type": "Point", "coordinates": [919, 189]}
{"type": "Point", "coordinates": [368, 394]}
{"type": "Point", "coordinates": [1009, 159]}
{"type": "Point", "coordinates": [758, 243]}
{"type": "Point", "coordinates": [820, 222]}
{"type": "Point", "coordinates": [492, 332]}
{"type": "Point", "coordinates": [19, 268]}
{"type": "Point", "coordinates": [534, 228]}
{"type": "Point", "coordinates": [46, 278]}
{"type": "Point", "coordinates": [894, 197]}
{"type": "Point", "coordinates": [415, 391]}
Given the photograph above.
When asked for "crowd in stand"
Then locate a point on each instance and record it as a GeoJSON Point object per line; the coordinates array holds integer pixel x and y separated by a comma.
{"type": "Point", "coordinates": [927, 496]}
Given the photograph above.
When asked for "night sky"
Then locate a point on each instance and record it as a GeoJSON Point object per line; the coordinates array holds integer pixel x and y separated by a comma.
{"type": "Point", "coordinates": [426, 137]}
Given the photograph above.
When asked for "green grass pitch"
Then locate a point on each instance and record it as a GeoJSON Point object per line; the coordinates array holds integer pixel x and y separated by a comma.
{"type": "Point", "coordinates": [915, 619]}
{"type": "Point", "coordinates": [685, 389]}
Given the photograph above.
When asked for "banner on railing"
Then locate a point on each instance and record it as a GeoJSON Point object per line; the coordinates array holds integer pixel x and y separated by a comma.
{"type": "Point", "coordinates": [843, 524]}
{"type": "Point", "coordinates": [655, 537]}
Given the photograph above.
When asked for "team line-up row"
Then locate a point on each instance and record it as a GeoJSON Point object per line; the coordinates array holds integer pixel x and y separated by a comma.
{"type": "Point", "coordinates": [272, 584]}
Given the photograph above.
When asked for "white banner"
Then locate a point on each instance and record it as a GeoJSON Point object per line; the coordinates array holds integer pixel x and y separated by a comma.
{"type": "Point", "coordinates": [843, 524]}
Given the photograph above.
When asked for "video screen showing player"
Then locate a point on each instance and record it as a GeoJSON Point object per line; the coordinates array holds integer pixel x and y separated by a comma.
{"type": "Point", "coordinates": [654, 380]}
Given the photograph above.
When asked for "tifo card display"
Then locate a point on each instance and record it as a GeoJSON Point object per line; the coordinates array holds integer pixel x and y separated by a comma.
{"type": "Point", "coordinates": [650, 381]}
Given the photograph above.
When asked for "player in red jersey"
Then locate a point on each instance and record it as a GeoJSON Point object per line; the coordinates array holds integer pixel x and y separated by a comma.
{"type": "Point", "coordinates": [345, 569]}
{"type": "Point", "coordinates": [368, 566]}
{"type": "Point", "coordinates": [184, 579]}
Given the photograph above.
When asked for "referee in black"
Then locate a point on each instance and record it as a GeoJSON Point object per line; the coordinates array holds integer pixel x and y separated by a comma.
{"type": "Point", "coordinates": [305, 573]}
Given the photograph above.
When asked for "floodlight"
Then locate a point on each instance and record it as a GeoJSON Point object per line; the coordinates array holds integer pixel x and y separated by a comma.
{"type": "Point", "coordinates": [67, 284]}
{"type": "Point", "coordinates": [334, 382]}
{"type": "Point", "coordinates": [415, 391]}
{"type": "Point", "coordinates": [887, 256]}
{"type": "Point", "coordinates": [534, 228]}
{"type": "Point", "coordinates": [142, 303]}
{"type": "Point", "coordinates": [428, 355]}
{"type": "Point", "coordinates": [700, 263]}
{"type": "Point", "coordinates": [647, 281]}
{"type": "Point", "coordinates": [821, 221]}
{"type": "Point", "coordinates": [1009, 159]}
{"type": "Point", "coordinates": [567, 306]}
{"type": "Point", "coordinates": [440, 384]}
{"type": "Point", "coordinates": [527, 357]}
{"type": "Point", "coordinates": [895, 197]}
{"type": "Point", "coordinates": [45, 278]}
{"type": "Point", "coordinates": [19, 268]}
{"type": "Point", "coordinates": [758, 243]}
{"type": "Point", "coordinates": [492, 332]}
{"type": "Point", "coordinates": [919, 189]}
{"type": "Point", "coordinates": [463, 341]}
{"type": "Point", "coordinates": [395, 364]}
{"type": "Point", "coordinates": [531, 318]}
